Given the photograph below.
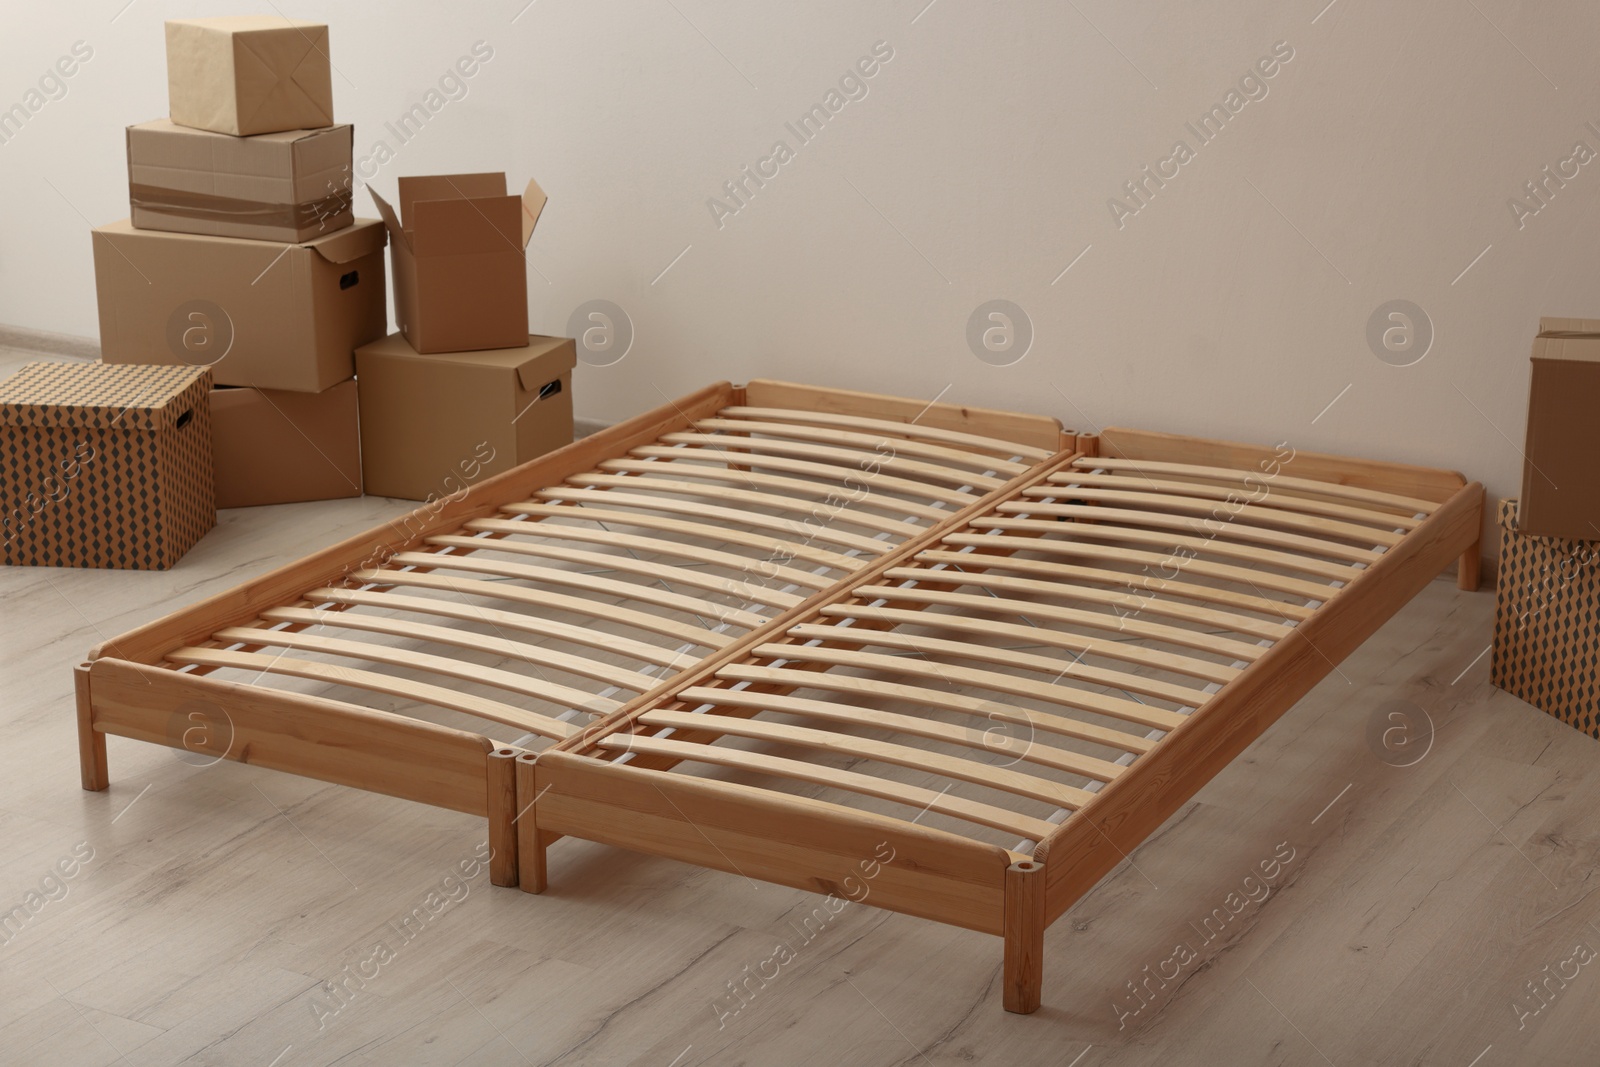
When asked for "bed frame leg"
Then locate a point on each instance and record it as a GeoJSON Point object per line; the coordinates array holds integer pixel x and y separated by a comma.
{"type": "Point", "coordinates": [503, 816]}
{"type": "Point", "coordinates": [91, 742]}
{"type": "Point", "coordinates": [1469, 572]}
{"type": "Point", "coordinates": [530, 842]}
{"type": "Point", "coordinates": [1024, 936]}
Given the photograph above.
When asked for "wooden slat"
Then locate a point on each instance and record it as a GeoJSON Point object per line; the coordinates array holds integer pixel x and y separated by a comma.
{"type": "Point", "coordinates": [367, 652]}
{"type": "Point", "coordinates": [1028, 609]}
{"type": "Point", "coordinates": [1211, 546]}
{"type": "Point", "coordinates": [503, 620]}
{"type": "Point", "coordinates": [589, 513]}
{"type": "Point", "coordinates": [1273, 498]}
{"type": "Point", "coordinates": [655, 545]}
{"type": "Point", "coordinates": [944, 699]}
{"type": "Point", "coordinates": [1162, 561]}
{"type": "Point", "coordinates": [833, 472]}
{"type": "Point", "coordinates": [756, 480]}
{"type": "Point", "coordinates": [1409, 505]}
{"type": "Point", "coordinates": [637, 592]}
{"type": "Point", "coordinates": [542, 655]}
{"type": "Point", "coordinates": [911, 666]}
{"type": "Point", "coordinates": [866, 442]}
{"type": "Point", "coordinates": [689, 576]}
{"type": "Point", "coordinates": [1246, 513]}
{"type": "Point", "coordinates": [1054, 636]}
{"type": "Point", "coordinates": [287, 583]}
{"type": "Point", "coordinates": [1147, 585]}
{"type": "Point", "coordinates": [864, 460]}
{"type": "Point", "coordinates": [1040, 431]}
{"type": "Point", "coordinates": [743, 498]}
{"type": "Point", "coordinates": [732, 516]}
{"type": "Point", "coordinates": [335, 674]}
{"type": "Point", "coordinates": [1029, 750]}
{"type": "Point", "coordinates": [1120, 602]}
{"type": "Point", "coordinates": [1005, 657]}
{"type": "Point", "coordinates": [931, 433]}
{"type": "Point", "coordinates": [863, 748]}
{"type": "Point", "coordinates": [639, 620]}
{"type": "Point", "coordinates": [1125, 812]}
{"type": "Point", "coordinates": [865, 784]}
{"type": "Point", "coordinates": [1234, 530]}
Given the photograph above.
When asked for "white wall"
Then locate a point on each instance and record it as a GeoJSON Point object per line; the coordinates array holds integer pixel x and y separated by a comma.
{"type": "Point", "coordinates": [1234, 304]}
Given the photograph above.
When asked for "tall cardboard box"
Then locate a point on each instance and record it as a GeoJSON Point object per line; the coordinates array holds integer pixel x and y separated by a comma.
{"type": "Point", "coordinates": [248, 74]}
{"type": "Point", "coordinates": [259, 313]}
{"type": "Point", "coordinates": [290, 187]}
{"type": "Point", "coordinates": [275, 447]}
{"type": "Point", "coordinates": [432, 424]}
{"type": "Point", "coordinates": [460, 279]}
{"type": "Point", "coordinates": [104, 466]}
{"type": "Point", "coordinates": [1547, 623]}
{"type": "Point", "coordinates": [1561, 472]}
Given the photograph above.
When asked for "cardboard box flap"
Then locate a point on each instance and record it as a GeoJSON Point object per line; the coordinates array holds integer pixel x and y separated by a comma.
{"type": "Point", "coordinates": [390, 220]}
{"type": "Point", "coordinates": [533, 201]}
{"type": "Point", "coordinates": [447, 187]}
{"type": "Point", "coordinates": [350, 243]}
{"type": "Point", "coordinates": [457, 227]}
{"type": "Point", "coordinates": [102, 395]}
{"type": "Point", "coordinates": [294, 64]}
{"type": "Point", "coordinates": [1559, 327]}
{"type": "Point", "coordinates": [548, 359]}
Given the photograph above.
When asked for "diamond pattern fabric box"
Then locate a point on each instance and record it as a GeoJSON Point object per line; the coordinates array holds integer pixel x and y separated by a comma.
{"type": "Point", "coordinates": [104, 465]}
{"type": "Point", "coordinates": [1547, 623]}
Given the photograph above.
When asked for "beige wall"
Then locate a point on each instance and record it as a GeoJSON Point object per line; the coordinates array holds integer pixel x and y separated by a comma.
{"type": "Point", "coordinates": [978, 165]}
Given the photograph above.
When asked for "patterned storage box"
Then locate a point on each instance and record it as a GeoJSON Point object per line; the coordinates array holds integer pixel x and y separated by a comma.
{"type": "Point", "coordinates": [105, 465]}
{"type": "Point", "coordinates": [1547, 623]}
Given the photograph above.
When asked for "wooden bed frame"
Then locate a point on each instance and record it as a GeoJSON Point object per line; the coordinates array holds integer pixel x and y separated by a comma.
{"type": "Point", "coordinates": [926, 750]}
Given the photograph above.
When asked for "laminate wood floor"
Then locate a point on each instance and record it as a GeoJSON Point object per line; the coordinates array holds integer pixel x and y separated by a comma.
{"type": "Point", "coordinates": [1435, 913]}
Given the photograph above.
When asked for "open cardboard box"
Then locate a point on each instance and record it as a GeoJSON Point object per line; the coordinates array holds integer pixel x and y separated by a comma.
{"type": "Point", "coordinates": [460, 279]}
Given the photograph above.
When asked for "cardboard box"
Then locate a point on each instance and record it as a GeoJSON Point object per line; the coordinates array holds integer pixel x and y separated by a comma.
{"type": "Point", "coordinates": [273, 447]}
{"type": "Point", "coordinates": [1561, 472]}
{"type": "Point", "coordinates": [104, 466]}
{"type": "Point", "coordinates": [249, 74]}
{"type": "Point", "coordinates": [259, 313]}
{"type": "Point", "coordinates": [290, 187]}
{"type": "Point", "coordinates": [431, 425]}
{"type": "Point", "coordinates": [460, 279]}
{"type": "Point", "coordinates": [1547, 623]}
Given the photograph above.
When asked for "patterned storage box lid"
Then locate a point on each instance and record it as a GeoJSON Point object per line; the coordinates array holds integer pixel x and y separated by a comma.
{"type": "Point", "coordinates": [101, 395]}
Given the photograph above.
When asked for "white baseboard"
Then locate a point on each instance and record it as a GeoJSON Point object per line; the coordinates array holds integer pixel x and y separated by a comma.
{"type": "Point", "coordinates": [582, 427]}
{"type": "Point", "coordinates": [46, 343]}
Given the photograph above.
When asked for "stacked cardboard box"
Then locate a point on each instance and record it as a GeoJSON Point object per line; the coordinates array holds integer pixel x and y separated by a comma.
{"type": "Point", "coordinates": [1547, 618]}
{"type": "Point", "coordinates": [461, 391]}
{"type": "Point", "coordinates": [242, 276]}
{"type": "Point", "coordinates": [241, 254]}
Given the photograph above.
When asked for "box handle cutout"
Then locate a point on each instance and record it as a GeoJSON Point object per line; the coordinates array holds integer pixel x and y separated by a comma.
{"type": "Point", "coordinates": [184, 419]}
{"type": "Point", "coordinates": [346, 281]}
{"type": "Point", "coordinates": [549, 389]}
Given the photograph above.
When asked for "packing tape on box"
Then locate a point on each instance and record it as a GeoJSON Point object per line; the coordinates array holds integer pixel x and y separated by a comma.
{"type": "Point", "coordinates": [207, 207]}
